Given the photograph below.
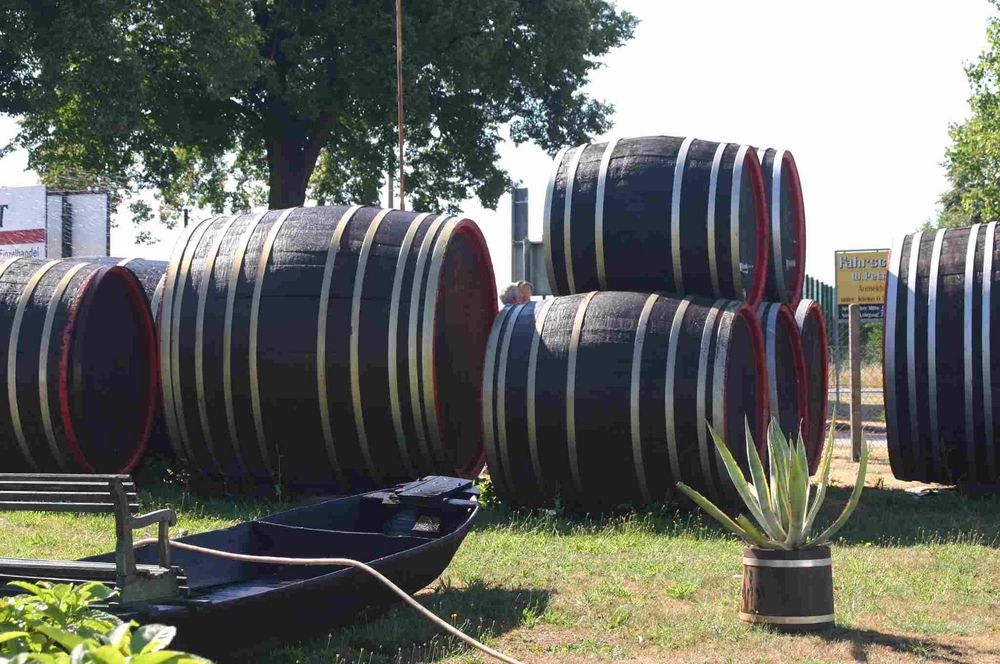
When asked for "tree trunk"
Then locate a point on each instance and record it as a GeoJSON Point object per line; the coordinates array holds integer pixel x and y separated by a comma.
{"type": "Point", "coordinates": [291, 158]}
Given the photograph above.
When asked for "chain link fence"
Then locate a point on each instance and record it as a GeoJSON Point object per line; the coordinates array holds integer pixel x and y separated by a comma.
{"type": "Point", "coordinates": [872, 396]}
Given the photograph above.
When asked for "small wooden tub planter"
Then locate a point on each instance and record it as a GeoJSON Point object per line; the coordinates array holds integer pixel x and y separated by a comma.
{"type": "Point", "coordinates": [789, 590]}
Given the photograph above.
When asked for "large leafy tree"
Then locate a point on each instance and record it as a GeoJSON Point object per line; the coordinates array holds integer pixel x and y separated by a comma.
{"type": "Point", "coordinates": [973, 159]}
{"type": "Point", "coordinates": [225, 103]}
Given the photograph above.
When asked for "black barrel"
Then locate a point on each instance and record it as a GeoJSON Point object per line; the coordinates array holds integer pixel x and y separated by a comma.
{"type": "Point", "coordinates": [786, 267]}
{"type": "Point", "coordinates": [786, 369]}
{"type": "Point", "coordinates": [939, 373]}
{"type": "Point", "coordinates": [601, 399]}
{"type": "Point", "coordinates": [329, 347]}
{"type": "Point", "coordinates": [815, 350]}
{"type": "Point", "coordinates": [791, 591]}
{"type": "Point", "coordinates": [151, 274]}
{"type": "Point", "coordinates": [657, 213]}
{"type": "Point", "coordinates": [80, 367]}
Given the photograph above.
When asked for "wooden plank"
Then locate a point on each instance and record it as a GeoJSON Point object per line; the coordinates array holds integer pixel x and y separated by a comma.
{"type": "Point", "coordinates": [87, 508]}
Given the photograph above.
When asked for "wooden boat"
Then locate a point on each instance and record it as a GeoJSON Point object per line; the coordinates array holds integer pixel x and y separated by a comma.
{"type": "Point", "coordinates": [408, 533]}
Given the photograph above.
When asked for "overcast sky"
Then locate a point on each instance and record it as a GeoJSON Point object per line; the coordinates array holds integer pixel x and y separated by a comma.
{"type": "Point", "coordinates": [861, 92]}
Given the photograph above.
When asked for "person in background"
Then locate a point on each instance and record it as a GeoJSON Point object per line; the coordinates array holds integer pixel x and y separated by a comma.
{"type": "Point", "coordinates": [516, 293]}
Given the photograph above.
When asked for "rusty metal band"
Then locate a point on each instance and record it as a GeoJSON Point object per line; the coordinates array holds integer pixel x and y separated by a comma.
{"type": "Point", "coordinates": [635, 393]}
{"type": "Point", "coordinates": [669, 398]}
{"type": "Point", "coordinates": [489, 392]}
{"type": "Point", "coordinates": [676, 187]}
{"type": "Point", "coordinates": [786, 620]}
{"type": "Point", "coordinates": [568, 219]}
{"type": "Point", "coordinates": [704, 355]}
{"type": "Point", "coordinates": [806, 562]}
{"type": "Point", "coordinates": [547, 219]}
{"type": "Point", "coordinates": [779, 261]}
{"type": "Point", "coordinates": [892, 289]}
{"type": "Point", "coordinates": [970, 378]}
{"type": "Point", "coordinates": [258, 287]}
{"type": "Point", "coordinates": [988, 249]}
{"type": "Point", "coordinates": [393, 341]}
{"type": "Point", "coordinates": [208, 267]}
{"type": "Point", "coordinates": [413, 352]}
{"type": "Point", "coordinates": [574, 345]}
{"type": "Point", "coordinates": [502, 396]}
{"type": "Point", "coordinates": [911, 339]}
{"type": "Point", "coordinates": [536, 337]}
{"type": "Point", "coordinates": [175, 335]}
{"type": "Point", "coordinates": [355, 340]}
{"type": "Point", "coordinates": [727, 317]}
{"type": "Point", "coordinates": [735, 194]}
{"type": "Point", "coordinates": [43, 363]}
{"type": "Point", "coordinates": [713, 189]}
{"type": "Point", "coordinates": [12, 353]}
{"type": "Point", "coordinates": [427, 336]}
{"type": "Point", "coordinates": [769, 316]}
{"type": "Point", "coordinates": [173, 274]}
{"type": "Point", "coordinates": [154, 305]}
{"type": "Point", "coordinates": [602, 185]}
{"type": "Point", "coordinates": [323, 396]}
{"type": "Point", "coordinates": [932, 288]}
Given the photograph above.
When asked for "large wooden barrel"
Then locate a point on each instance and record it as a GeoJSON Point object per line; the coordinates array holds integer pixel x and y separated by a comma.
{"type": "Point", "coordinates": [657, 213]}
{"type": "Point", "coordinates": [80, 365]}
{"type": "Point", "coordinates": [815, 349]}
{"type": "Point", "coordinates": [329, 347]}
{"type": "Point", "coordinates": [151, 274]}
{"type": "Point", "coordinates": [786, 369]}
{"type": "Point", "coordinates": [939, 375]}
{"type": "Point", "coordinates": [786, 267]}
{"type": "Point", "coordinates": [602, 399]}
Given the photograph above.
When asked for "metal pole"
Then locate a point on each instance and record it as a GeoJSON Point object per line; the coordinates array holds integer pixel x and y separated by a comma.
{"type": "Point", "coordinates": [399, 100]}
{"type": "Point", "coordinates": [854, 341]}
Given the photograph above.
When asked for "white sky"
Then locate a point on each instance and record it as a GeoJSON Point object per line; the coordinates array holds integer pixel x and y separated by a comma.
{"type": "Point", "coordinates": [861, 92]}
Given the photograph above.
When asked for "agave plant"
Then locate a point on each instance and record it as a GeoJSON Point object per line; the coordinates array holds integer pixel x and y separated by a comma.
{"type": "Point", "coordinates": [780, 501]}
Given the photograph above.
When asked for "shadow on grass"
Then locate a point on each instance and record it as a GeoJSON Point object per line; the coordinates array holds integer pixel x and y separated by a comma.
{"type": "Point", "coordinates": [861, 640]}
{"type": "Point", "coordinates": [883, 517]}
{"type": "Point", "coordinates": [401, 636]}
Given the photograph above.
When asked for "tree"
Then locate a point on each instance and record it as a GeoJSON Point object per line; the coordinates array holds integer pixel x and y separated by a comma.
{"type": "Point", "coordinates": [215, 103]}
{"type": "Point", "coordinates": [973, 159]}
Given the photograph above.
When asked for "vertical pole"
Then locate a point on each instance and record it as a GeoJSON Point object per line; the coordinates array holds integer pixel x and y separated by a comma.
{"type": "Point", "coordinates": [399, 99]}
{"type": "Point", "coordinates": [854, 341]}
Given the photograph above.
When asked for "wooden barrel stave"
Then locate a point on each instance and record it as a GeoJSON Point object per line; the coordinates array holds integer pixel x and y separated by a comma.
{"type": "Point", "coordinates": [628, 227]}
{"type": "Point", "coordinates": [786, 369]}
{"type": "Point", "coordinates": [610, 427]}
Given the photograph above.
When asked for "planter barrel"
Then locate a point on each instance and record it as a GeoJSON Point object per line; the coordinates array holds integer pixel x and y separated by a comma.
{"type": "Point", "coordinates": [789, 590]}
{"type": "Point", "coordinates": [815, 349]}
{"type": "Point", "coordinates": [657, 213]}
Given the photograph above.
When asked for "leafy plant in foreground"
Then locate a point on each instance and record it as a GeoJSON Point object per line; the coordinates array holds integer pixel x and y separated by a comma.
{"type": "Point", "coordinates": [59, 624]}
{"type": "Point", "coordinates": [780, 501]}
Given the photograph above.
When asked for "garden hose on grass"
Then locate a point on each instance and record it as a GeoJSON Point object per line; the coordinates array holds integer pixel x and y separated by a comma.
{"type": "Point", "coordinates": [346, 562]}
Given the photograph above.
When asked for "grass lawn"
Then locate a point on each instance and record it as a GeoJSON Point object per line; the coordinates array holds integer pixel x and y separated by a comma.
{"type": "Point", "coordinates": [917, 578]}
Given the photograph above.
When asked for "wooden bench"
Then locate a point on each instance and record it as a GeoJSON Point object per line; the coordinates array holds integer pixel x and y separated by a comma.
{"type": "Point", "coordinates": [115, 494]}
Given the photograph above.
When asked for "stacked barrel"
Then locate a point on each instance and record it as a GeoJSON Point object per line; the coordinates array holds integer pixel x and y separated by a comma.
{"type": "Point", "coordinates": [940, 380]}
{"type": "Point", "coordinates": [661, 250]}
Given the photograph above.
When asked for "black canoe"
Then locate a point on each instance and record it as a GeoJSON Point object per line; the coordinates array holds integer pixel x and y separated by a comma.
{"type": "Point", "coordinates": [408, 533]}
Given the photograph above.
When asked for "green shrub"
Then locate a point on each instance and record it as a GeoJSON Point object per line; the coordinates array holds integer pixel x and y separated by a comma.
{"type": "Point", "coordinates": [60, 624]}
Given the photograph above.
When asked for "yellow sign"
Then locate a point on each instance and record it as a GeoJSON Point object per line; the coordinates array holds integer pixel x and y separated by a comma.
{"type": "Point", "coordinates": [860, 279]}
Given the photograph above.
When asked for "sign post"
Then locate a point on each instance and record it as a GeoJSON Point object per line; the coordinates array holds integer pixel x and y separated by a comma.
{"type": "Point", "coordinates": [860, 279]}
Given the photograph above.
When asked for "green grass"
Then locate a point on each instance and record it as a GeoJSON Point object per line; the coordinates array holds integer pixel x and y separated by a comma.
{"type": "Point", "coordinates": [915, 578]}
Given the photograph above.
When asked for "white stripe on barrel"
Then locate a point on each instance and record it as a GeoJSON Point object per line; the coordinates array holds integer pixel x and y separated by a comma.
{"type": "Point", "coordinates": [987, 306]}
{"type": "Point", "coordinates": [932, 288]}
{"type": "Point", "coordinates": [602, 183]}
{"type": "Point", "coordinates": [778, 262]}
{"type": "Point", "coordinates": [892, 288]}
{"type": "Point", "coordinates": [673, 456]}
{"type": "Point", "coordinates": [502, 395]}
{"type": "Point", "coordinates": [635, 393]}
{"type": "Point", "coordinates": [713, 185]}
{"type": "Point", "coordinates": [574, 344]}
{"type": "Point", "coordinates": [568, 218]}
{"type": "Point", "coordinates": [967, 345]}
{"type": "Point", "coordinates": [536, 338]}
{"type": "Point", "coordinates": [911, 334]}
{"type": "Point", "coordinates": [547, 219]}
{"type": "Point", "coordinates": [676, 187]}
{"type": "Point", "coordinates": [735, 193]}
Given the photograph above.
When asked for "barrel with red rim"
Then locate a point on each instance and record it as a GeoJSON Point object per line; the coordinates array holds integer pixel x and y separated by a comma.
{"type": "Point", "coordinates": [786, 369]}
{"type": "Point", "coordinates": [815, 349]}
{"type": "Point", "coordinates": [786, 268]}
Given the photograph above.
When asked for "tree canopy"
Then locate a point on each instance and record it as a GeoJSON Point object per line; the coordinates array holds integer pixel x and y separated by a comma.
{"type": "Point", "coordinates": [228, 103]}
{"type": "Point", "coordinates": [973, 159]}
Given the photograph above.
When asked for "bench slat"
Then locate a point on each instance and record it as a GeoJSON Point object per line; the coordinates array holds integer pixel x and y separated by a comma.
{"type": "Point", "coordinates": [61, 497]}
{"type": "Point", "coordinates": [87, 508]}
